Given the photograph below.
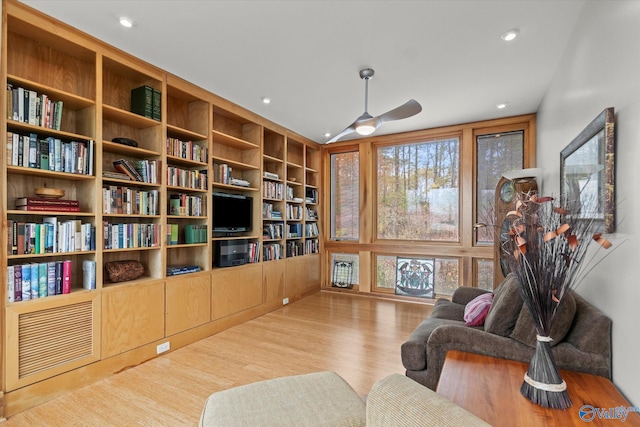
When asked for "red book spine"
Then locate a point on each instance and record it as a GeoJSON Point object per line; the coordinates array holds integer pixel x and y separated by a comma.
{"type": "Point", "coordinates": [55, 208]}
{"type": "Point", "coordinates": [32, 201]}
{"type": "Point", "coordinates": [66, 277]}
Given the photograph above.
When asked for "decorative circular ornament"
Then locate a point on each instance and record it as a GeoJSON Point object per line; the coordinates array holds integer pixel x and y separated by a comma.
{"type": "Point", "coordinates": [49, 193]}
{"type": "Point", "coordinates": [507, 191]}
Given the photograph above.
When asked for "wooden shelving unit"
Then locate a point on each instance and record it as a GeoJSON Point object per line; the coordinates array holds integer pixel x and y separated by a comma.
{"type": "Point", "coordinates": [55, 343]}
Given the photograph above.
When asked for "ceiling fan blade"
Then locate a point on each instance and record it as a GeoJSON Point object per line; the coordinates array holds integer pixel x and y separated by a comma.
{"type": "Point", "coordinates": [347, 131]}
{"type": "Point", "coordinates": [408, 109]}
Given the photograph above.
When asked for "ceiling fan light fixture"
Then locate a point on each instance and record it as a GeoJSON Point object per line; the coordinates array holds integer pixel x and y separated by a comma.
{"type": "Point", "coordinates": [126, 22]}
{"type": "Point", "coordinates": [510, 35]}
{"type": "Point", "coordinates": [365, 129]}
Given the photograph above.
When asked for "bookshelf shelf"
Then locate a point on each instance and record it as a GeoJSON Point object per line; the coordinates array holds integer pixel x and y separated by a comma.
{"type": "Point", "coordinates": [71, 100]}
{"type": "Point", "coordinates": [137, 152]}
{"type": "Point", "coordinates": [15, 212]}
{"type": "Point", "coordinates": [186, 162]}
{"type": "Point", "coordinates": [127, 118]}
{"type": "Point", "coordinates": [187, 245]}
{"type": "Point", "coordinates": [232, 141]}
{"type": "Point", "coordinates": [187, 189]}
{"type": "Point", "coordinates": [179, 132]}
{"type": "Point", "coordinates": [21, 170]}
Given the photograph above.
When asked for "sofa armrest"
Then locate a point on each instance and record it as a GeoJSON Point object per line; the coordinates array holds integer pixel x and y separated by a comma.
{"type": "Point", "coordinates": [463, 338]}
{"type": "Point", "coordinates": [397, 401]}
{"type": "Point", "coordinates": [464, 294]}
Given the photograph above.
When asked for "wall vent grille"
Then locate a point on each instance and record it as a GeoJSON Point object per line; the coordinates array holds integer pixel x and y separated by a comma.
{"type": "Point", "coordinates": [54, 337]}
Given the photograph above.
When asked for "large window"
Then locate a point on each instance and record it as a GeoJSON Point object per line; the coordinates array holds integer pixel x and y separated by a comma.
{"type": "Point", "coordinates": [420, 196]}
{"type": "Point", "coordinates": [345, 192]}
{"type": "Point", "coordinates": [418, 191]}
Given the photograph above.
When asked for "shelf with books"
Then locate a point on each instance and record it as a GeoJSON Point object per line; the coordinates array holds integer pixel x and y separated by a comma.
{"type": "Point", "coordinates": [33, 104]}
{"type": "Point", "coordinates": [44, 235]}
{"type": "Point", "coordinates": [119, 80]}
{"type": "Point", "coordinates": [48, 63]}
{"type": "Point", "coordinates": [234, 173]}
{"type": "Point", "coordinates": [46, 153]}
{"type": "Point", "coordinates": [126, 200]}
{"type": "Point", "coordinates": [32, 280]}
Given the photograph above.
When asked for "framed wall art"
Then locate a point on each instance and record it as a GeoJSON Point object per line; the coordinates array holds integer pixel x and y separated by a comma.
{"type": "Point", "coordinates": [587, 172]}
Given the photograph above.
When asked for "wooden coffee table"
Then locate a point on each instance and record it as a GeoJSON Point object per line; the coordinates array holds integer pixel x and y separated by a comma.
{"type": "Point", "coordinates": [490, 388]}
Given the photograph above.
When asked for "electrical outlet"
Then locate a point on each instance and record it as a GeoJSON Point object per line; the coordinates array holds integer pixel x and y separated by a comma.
{"type": "Point", "coordinates": [165, 346]}
{"type": "Point", "coordinates": [285, 301]}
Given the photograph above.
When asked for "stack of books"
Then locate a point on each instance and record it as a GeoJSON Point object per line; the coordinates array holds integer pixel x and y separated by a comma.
{"type": "Point", "coordinates": [177, 270]}
{"type": "Point", "coordinates": [146, 101]}
{"type": "Point", "coordinates": [44, 204]}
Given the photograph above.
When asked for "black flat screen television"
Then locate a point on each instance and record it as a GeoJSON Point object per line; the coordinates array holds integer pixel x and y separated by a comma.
{"type": "Point", "coordinates": [232, 213]}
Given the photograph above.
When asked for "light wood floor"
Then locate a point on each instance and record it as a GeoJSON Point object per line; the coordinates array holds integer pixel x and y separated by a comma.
{"type": "Point", "coordinates": [357, 337]}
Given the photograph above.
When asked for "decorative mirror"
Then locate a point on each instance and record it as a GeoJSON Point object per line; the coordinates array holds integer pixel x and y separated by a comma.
{"type": "Point", "coordinates": [587, 172]}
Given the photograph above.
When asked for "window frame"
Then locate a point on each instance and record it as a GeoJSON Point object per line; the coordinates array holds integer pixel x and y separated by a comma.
{"type": "Point", "coordinates": [465, 250]}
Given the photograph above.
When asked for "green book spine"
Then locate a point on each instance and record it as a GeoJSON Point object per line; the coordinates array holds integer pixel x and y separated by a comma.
{"type": "Point", "coordinates": [142, 101]}
{"type": "Point", "coordinates": [42, 280]}
{"type": "Point", "coordinates": [174, 234]}
{"type": "Point", "coordinates": [156, 109]}
{"type": "Point", "coordinates": [44, 154]}
{"type": "Point", "coordinates": [189, 234]}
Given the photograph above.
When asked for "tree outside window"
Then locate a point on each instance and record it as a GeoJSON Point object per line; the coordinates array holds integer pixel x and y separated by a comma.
{"type": "Point", "coordinates": [418, 191]}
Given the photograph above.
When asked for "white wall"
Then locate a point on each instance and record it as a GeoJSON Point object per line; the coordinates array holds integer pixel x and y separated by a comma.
{"type": "Point", "coordinates": [599, 69]}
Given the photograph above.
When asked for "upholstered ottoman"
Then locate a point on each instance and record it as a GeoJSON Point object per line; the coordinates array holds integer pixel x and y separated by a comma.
{"type": "Point", "coordinates": [316, 399]}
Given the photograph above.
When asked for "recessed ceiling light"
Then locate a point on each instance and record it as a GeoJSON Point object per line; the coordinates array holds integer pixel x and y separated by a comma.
{"type": "Point", "coordinates": [510, 35]}
{"type": "Point", "coordinates": [266, 100]}
{"type": "Point", "coordinates": [501, 106]}
{"type": "Point", "coordinates": [126, 22]}
{"type": "Point", "coordinates": [327, 135]}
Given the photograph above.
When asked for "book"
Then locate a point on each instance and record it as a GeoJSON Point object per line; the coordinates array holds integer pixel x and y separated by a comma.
{"type": "Point", "coordinates": [44, 154]}
{"type": "Point", "coordinates": [66, 276]}
{"type": "Point", "coordinates": [58, 277]}
{"type": "Point", "coordinates": [156, 105]}
{"type": "Point", "coordinates": [88, 274]}
{"type": "Point", "coordinates": [124, 166]}
{"type": "Point", "coordinates": [53, 208]}
{"type": "Point", "coordinates": [17, 283]}
{"type": "Point", "coordinates": [52, 224]}
{"type": "Point", "coordinates": [35, 282]}
{"type": "Point", "coordinates": [51, 278]}
{"type": "Point", "coordinates": [33, 151]}
{"type": "Point", "coordinates": [32, 201]}
{"type": "Point", "coordinates": [184, 269]}
{"type": "Point", "coordinates": [142, 101]}
{"type": "Point", "coordinates": [42, 279]}
{"type": "Point", "coordinates": [10, 283]}
{"type": "Point", "coordinates": [115, 175]}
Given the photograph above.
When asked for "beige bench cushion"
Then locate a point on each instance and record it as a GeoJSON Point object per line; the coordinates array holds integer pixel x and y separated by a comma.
{"type": "Point", "coordinates": [316, 399]}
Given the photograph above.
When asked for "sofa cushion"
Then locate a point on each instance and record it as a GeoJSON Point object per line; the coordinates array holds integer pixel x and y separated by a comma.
{"type": "Point", "coordinates": [476, 311]}
{"type": "Point", "coordinates": [315, 399]}
{"type": "Point", "coordinates": [525, 330]}
{"type": "Point", "coordinates": [506, 306]}
{"type": "Point", "coordinates": [445, 309]}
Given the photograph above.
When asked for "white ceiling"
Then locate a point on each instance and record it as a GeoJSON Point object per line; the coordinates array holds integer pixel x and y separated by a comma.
{"type": "Point", "coordinates": [305, 55]}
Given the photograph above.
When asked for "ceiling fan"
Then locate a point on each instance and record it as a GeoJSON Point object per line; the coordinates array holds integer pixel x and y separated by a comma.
{"type": "Point", "coordinates": [367, 124]}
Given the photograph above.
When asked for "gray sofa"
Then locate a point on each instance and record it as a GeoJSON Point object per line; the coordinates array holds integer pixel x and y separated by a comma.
{"type": "Point", "coordinates": [581, 334]}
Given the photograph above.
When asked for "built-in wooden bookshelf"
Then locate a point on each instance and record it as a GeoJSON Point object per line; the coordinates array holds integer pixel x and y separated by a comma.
{"type": "Point", "coordinates": [61, 341]}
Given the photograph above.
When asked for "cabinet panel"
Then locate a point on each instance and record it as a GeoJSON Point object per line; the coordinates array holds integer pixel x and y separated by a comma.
{"type": "Point", "coordinates": [132, 315]}
{"type": "Point", "coordinates": [188, 302]}
{"type": "Point", "coordinates": [273, 280]}
{"type": "Point", "coordinates": [235, 289]}
{"type": "Point", "coordinates": [302, 275]}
